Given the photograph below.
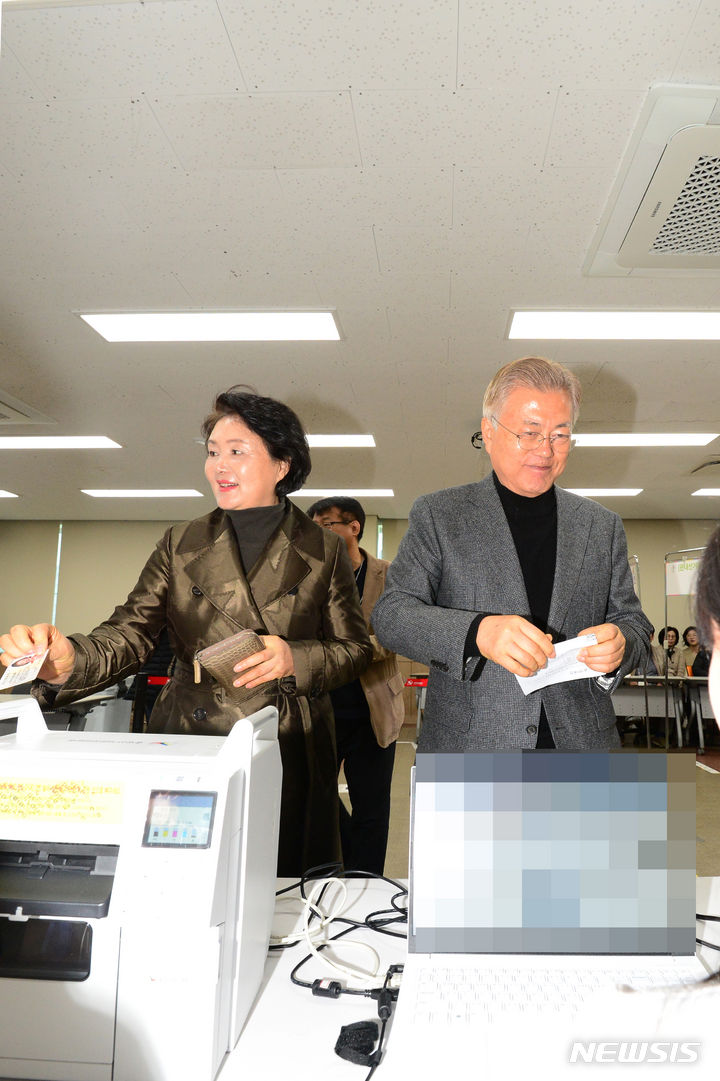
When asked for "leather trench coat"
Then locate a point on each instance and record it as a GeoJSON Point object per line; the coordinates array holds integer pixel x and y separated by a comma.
{"type": "Point", "coordinates": [302, 589]}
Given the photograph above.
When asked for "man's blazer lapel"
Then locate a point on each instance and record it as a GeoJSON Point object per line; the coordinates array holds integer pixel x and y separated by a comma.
{"type": "Point", "coordinates": [496, 553]}
{"type": "Point", "coordinates": [573, 533]}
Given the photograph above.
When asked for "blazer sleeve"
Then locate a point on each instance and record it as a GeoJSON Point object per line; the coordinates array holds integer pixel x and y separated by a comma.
{"type": "Point", "coordinates": [623, 609]}
{"type": "Point", "coordinates": [412, 617]}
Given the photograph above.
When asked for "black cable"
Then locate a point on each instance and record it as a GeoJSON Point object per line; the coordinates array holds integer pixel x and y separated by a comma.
{"type": "Point", "coordinates": [710, 945]}
{"type": "Point", "coordinates": [385, 1008]}
{"type": "Point", "coordinates": [701, 916]}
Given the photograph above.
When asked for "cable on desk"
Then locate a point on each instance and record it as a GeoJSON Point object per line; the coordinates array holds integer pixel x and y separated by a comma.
{"type": "Point", "coordinates": [317, 937]}
{"type": "Point", "coordinates": [356, 1042]}
{"type": "Point", "coordinates": [711, 946]}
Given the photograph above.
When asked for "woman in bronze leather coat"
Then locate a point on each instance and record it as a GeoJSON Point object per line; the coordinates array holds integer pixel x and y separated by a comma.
{"type": "Point", "coordinates": [255, 562]}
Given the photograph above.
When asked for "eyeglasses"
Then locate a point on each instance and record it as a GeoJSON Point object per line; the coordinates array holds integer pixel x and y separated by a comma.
{"type": "Point", "coordinates": [558, 441]}
{"type": "Point", "coordinates": [329, 525]}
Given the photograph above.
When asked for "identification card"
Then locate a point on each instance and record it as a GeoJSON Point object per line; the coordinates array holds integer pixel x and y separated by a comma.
{"type": "Point", "coordinates": [23, 669]}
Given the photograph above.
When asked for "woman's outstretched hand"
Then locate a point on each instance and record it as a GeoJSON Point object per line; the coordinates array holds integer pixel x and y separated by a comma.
{"type": "Point", "coordinates": [21, 639]}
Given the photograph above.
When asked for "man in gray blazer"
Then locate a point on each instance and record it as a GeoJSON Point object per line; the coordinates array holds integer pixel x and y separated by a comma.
{"type": "Point", "coordinates": [490, 575]}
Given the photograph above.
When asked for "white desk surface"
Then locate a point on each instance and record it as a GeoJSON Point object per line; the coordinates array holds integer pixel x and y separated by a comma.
{"type": "Point", "coordinates": [291, 1034]}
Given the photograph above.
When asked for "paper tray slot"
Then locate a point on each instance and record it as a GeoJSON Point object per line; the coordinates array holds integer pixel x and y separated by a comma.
{"type": "Point", "coordinates": [39, 879]}
{"type": "Point", "coordinates": [45, 950]}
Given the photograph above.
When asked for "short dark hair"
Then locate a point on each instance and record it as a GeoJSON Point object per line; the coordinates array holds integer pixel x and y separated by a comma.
{"type": "Point", "coordinates": [276, 424]}
{"type": "Point", "coordinates": [661, 636]}
{"type": "Point", "coordinates": [707, 594]}
{"type": "Point", "coordinates": [692, 627]}
{"type": "Point", "coordinates": [345, 504]}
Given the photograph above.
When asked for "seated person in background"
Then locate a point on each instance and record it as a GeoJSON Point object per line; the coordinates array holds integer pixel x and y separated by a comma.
{"type": "Point", "coordinates": [691, 641]}
{"type": "Point", "coordinates": [707, 605]}
{"type": "Point", "coordinates": [672, 657]}
{"type": "Point", "coordinates": [701, 664]}
{"type": "Point", "coordinates": [369, 712]}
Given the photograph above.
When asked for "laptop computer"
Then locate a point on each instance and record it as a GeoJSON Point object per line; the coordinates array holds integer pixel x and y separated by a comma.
{"type": "Point", "coordinates": [540, 882]}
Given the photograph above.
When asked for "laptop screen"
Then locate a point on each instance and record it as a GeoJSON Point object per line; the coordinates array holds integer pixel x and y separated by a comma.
{"type": "Point", "coordinates": [553, 852]}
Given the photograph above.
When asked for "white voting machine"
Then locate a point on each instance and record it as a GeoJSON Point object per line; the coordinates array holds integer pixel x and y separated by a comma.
{"type": "Point", "coordinates": [137, 878]}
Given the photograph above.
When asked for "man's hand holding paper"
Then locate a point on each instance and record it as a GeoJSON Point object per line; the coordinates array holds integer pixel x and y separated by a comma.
{"type": "Point", "coordinates": [609, 651]}
{"type": "Point", "coordinates": [514, 643]}
{"type": "Point", "coordinates": [563, 667]}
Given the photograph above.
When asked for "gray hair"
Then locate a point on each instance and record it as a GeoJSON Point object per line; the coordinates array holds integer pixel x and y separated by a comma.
{"type": "Point", "coordinates": [535, 373]}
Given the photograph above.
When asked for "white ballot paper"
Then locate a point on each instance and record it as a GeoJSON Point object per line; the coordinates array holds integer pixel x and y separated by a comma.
{"type": "Point", "coordinates": [561, 668]}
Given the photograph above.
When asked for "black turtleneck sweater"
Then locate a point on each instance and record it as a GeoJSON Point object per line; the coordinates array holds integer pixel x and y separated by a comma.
{"type": "Point", "coordinates": [254, 527]}
{"type": "Point", "coordinates": [533, 524]}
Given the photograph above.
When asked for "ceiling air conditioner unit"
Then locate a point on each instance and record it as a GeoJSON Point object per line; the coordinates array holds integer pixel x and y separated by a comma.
{"type": "Point", "coordinates": [663, 215]}
{"type": "Point", "coordinates": [13, 411]}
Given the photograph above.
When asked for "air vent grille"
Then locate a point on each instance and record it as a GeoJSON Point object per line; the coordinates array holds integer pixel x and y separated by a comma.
{"type": "Point", "coordinates": [693, 225]}
{"type": "Point", "coordinates": [13, 411]}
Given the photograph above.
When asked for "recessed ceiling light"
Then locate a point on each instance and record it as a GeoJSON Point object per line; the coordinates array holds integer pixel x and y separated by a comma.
{"type": "Point", "coordinates": [609, 325]}
{"type": "Point", "coordinates": [141, 493]}
{"type": "Point", "coordinates": [591, 492]}
{"type": "Point", "coordinates": [7, 495]}
{"type": "Point", "coordinates": [341, 441]}
{"type": "Point", "coordinates": [321, 493]}
{"type": "Point", "coordinates": [644, 439]}
{"type": "Point", "coordinates": [57, 442]}
{"type": "Point", "coordinates": [213, 326]}
{"type": "Point", "coordinates": [707, 491]}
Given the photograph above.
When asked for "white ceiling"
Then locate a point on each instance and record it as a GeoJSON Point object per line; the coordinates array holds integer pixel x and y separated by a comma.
{"type": "Point", "coordinates": [421, 168]}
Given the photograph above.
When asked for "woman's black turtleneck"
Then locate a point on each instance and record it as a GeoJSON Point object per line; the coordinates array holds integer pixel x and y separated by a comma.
{"type": "Point", "coordinates": [533, 524]}
{"type": "Point", "coordinates": [254, 527]}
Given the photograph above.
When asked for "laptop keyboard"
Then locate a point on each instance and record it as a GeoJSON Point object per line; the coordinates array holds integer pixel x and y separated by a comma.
{"type": "Point", "coordinates": [458, 996]}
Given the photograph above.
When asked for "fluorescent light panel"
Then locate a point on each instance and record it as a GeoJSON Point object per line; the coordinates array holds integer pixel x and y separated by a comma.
{"type": "Point", "coordinates": [321, 493]}
{"type": "Point", "coordinates": [644, 439]}
{"type": "Point", "coordinates": [141, 493]}
{"type": "Point", "coordinates": [596, 492]}
{"type": "Point", "coordinates": [213, 326]}
{"type": "Point", "coordinates": [707, 491]}
{"type": "Point", "coordinates": [57, 442]}
{"type": "Point", "coordinates": [7, 495]}
{"type": "Point", "coordinates": [341, 441]}
{"type": "Point", "coordinates": [616, 325]}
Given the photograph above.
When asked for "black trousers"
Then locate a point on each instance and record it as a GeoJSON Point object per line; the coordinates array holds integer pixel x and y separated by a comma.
{"type": "Point", "coordinates": [368, 771]}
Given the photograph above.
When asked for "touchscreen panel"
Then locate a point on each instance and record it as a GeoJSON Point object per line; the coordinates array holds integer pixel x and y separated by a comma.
{"type": "Point", "coordinates": [179, 819]}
